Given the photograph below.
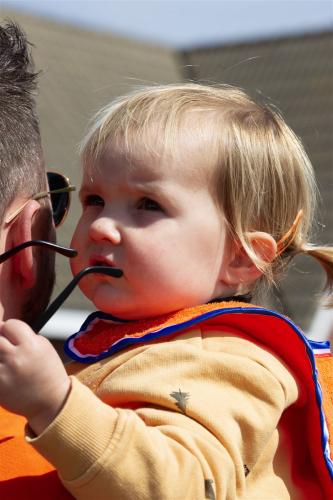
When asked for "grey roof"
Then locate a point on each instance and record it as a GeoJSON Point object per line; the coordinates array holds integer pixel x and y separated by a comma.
{"type": "Point", "coordinates": [82, 70]}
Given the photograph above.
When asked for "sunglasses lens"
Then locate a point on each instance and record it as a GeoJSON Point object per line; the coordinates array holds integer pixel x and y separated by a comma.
{"type": "Point", "coordinates": [60, 201]}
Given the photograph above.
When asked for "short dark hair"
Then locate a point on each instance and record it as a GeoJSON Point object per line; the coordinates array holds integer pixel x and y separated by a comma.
{"type": "Point", "coordinates": [22, 168]}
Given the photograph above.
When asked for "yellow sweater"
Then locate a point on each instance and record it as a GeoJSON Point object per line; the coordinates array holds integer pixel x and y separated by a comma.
{"type": "Point", "coordinates": [193, 415]}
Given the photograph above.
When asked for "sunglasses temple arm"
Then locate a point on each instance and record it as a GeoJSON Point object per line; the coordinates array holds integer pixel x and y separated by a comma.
{"type": "Point", "coordinates": [42, 194]}
{"type": "Point", "coordinates": [54, 306]}
{"type": "Point", "coordinates": [67, 252]}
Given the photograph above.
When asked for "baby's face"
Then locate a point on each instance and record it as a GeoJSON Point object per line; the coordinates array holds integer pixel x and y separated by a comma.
{"type": "Point", "coordinates": [156, 220]}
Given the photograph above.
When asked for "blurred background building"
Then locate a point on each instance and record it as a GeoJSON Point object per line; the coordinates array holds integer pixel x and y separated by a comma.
{"type": "Point", "coordinates": [83, 68]}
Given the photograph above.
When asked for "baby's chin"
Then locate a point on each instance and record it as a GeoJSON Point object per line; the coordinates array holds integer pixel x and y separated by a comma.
{"type": "Point", "coordinates": [116, 308]}
{"type": "Point", "coordinates": [128, 311]}
{"type": "Point", "coordinates": [131, 307]}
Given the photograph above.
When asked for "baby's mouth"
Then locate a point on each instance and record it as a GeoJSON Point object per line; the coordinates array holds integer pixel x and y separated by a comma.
{"type": "Point", "coordinates": [100, 261]}
{"type": "Point", "coordinates": [106, 263]}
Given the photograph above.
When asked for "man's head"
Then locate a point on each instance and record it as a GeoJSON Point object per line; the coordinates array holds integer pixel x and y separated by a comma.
{"type": "Point", "coordinates": [22, 174]}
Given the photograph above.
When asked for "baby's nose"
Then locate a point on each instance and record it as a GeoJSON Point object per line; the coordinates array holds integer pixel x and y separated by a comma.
{"type": "Point", "coordinates": [107, 229]}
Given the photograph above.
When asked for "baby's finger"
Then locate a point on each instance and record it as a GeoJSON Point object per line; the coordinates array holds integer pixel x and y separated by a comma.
{"type": "Point", "coordinates": [5, 346]}
{"type": "Point", "coordinates": [16, 332]}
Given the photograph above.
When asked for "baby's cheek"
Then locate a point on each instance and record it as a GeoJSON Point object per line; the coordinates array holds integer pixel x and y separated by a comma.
{"type": "Point", "coordinates": [75, 265]}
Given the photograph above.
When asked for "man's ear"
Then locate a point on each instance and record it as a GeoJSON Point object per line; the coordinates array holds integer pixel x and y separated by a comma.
{"type": "Point", "coordinates": [20, 232]}
{"type": "Point", "coordinates": [240, 268]}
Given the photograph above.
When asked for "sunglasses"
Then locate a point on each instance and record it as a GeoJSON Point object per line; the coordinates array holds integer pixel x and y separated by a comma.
{"type": "Point", "coordinates": [60, 299]}
{"type": "Point", "coordinates": [67, 252]}
{"type": "Point", "coordinates": [59, 191]}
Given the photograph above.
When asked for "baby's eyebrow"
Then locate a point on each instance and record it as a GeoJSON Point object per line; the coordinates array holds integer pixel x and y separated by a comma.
{"type": "Point", "coordinates": [149, 186]}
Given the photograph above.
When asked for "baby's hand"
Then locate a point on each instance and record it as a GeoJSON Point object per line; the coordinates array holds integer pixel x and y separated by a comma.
{"type": "Point", "coordinates": [33, 380]}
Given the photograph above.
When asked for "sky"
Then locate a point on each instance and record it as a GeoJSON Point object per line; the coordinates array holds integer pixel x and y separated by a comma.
{"type": "Point", "coordinates": [187, 23]}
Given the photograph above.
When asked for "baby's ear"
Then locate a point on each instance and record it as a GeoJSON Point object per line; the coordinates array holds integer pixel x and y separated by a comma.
{"type": "Point", "coordinates": [240, 268]}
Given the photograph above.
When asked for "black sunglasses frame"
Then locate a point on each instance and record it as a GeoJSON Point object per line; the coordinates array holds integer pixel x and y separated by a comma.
{"type": "Point", "coordinates": [59, 191]}
{"type": "Point", "coordinates": [67, 252]}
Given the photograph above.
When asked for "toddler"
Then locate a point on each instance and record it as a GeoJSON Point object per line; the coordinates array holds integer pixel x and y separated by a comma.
{"type": "Point", "coordinates": [181, 388]}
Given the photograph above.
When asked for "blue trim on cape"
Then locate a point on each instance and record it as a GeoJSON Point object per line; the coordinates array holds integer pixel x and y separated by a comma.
{"type": "Point", "coordinates": [315, 344]}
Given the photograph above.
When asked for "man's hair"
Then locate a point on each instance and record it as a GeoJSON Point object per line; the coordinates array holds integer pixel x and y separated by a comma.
{"type": "Point", "coordinates": [262, 175]}
{"type": "Point", "coordinates": [21, 160]}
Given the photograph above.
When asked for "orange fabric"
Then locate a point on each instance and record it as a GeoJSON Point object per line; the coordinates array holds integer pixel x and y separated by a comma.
{"type": "Point", "coordinates": [324, 365]}
{"type": "Point", "coordinates": [102, 337]}
{"type": "Point", "coordinates": [24, 474]}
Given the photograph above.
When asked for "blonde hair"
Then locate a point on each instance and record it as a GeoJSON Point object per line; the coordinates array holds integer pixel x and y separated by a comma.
{"type": "Point", "coordinates": [262, 176]}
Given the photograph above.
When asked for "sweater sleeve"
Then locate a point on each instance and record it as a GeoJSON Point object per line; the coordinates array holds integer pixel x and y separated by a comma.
{"type": "Point", "coordinates": [202, 418]}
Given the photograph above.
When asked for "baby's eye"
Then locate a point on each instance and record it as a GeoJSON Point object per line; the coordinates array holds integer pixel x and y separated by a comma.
{"type": "Point", "coordinates": [93, 200]}
{"type": "Point", "coordinates": [149, 204]}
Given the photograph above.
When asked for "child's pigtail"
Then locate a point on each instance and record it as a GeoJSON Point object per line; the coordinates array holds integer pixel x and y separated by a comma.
{"type": "Point", "coordinates": [291, 243]}
{"type": "Point", "coordinates": [324, 255]}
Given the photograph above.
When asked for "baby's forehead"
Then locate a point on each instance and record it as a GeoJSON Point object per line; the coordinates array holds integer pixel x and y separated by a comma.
{"type": "Point", "coordinates": [188, 159]}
